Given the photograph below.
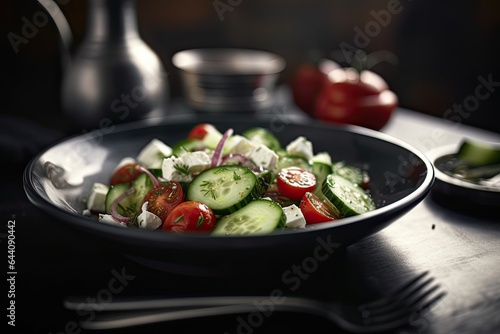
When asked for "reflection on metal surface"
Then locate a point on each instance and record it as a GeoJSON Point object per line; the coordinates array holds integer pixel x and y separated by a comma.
{"type": "Point", "coordinates": [55, 174]}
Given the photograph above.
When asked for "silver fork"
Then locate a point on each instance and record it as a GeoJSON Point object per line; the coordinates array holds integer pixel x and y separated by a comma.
{"type": "Point", "coordinates": [387, 313]}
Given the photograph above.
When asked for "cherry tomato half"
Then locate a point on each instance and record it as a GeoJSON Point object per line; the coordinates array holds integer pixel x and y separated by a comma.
{"type": "Point", "coordinates": [163, 198]}
{"type": "Point", "coordinates": [200, 131]}
{"type": "Point", "coordinates": [294, 182]}
{"type": "Point", "coordinates": [126, 173]}
{"type": "Point", "coordinates": [190, 216]}
{"type": "Point", "coordinates": [315, 210]}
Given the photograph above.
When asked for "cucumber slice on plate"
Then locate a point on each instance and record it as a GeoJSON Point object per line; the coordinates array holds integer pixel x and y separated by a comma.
{"type": "Point", "coordinates": [257, 217]}
{"type": "Point", "coordinates": [347, 196]}
{"type": "Point", "coordinates": [477, 153]}
{"type": "Point", "coordinates": [225, 189]}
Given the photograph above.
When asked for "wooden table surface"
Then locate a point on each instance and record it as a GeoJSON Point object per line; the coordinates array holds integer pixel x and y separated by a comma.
{"type": "Point", "coordinates": [461, 252]}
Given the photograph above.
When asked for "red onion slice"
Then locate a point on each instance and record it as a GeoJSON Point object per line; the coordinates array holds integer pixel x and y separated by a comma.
{"type": "Point", "coordinates": [236, 158]}
{"type": "Point", "coordinates": [153, 178]}
{"type": "Point", "coordinates": [240, 159]}
{"type": "Point", "coordinates": [216, 158]}
{"type": "Point", "coordinates": [115, 203]}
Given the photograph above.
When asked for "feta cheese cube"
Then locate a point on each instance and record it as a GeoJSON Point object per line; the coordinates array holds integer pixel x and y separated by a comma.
{"type": "Point", "coordinates": [264, 156]}
{"type": "Point", "coordinates": [182, 168]}
{"type": "Point", "coordinates": [97, 197]}
{"type": "Point", "coordinates": [108, 219]}
{"type": "Point", "coordinates": [148, 220]}
{"type": "Point", "coordinates": [196, 161]}
{"type": "Point", "coordinates": [294, 217]}
{"type": "Point", "coordinates": [241, 145]}
{"type": "Point", "coordinates": [152, 155]}
{"type": "Point", "coordinates": [300, 147]}
{"type": "Point", "coordinates": [173, 169]}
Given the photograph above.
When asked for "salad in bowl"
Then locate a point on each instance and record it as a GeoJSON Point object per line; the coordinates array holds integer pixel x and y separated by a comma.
{"type": "Point", "coordinates": [219, 182]}
{"type": "Point", "coordinates": [274, 196]}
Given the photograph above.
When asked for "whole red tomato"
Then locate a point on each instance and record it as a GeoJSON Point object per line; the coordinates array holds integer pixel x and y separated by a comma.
{"type": "Point", "coordinates": [359, 98]}
{"type": "Point", "coordinates": [307, 82]}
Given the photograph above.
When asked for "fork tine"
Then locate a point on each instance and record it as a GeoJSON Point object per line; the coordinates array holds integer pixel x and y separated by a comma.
{"type": "Point", "coordinates": [420, 304]}
{"type": "Point", "coordinates": [404, 311]}
{"type": "Point", "coordinates": [431, 302]}
{"type": "Point", "coordinates": [405, 307]}
{"type": "Point", "coordinates": [384, 301]}
{"type": "Point", "coordinates": [402, 318]}
{"type": "Point", "coordinates": [396, 301]}
{"type": "Point", "coordinates": [417, 298]}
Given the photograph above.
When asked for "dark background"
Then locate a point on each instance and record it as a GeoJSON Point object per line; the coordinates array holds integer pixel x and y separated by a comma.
{"type": "Point", "coordinates": [439, 48]}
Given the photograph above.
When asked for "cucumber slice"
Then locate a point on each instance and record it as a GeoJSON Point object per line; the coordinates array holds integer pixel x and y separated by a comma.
{"type": "Point", "coordinates": [351, 173]}
{"type": "Point", "coordinates": [257, 217]}
{"type": "Point", "coordinates": [131, 204]}
{"type": "Point", "coordinates": [321, 171]}
{"type": "Point", "coordinates": [293, 161]}
{"type": "Point", "coordinates": [157, 172]}
{"type": "Point", "coordinates": [348, 197]}
{"type": "Point", "coordinates": [323, 157]}
{"type": "Point", "coordinates": [262, 136]}
{"type": "Point", "coordinates": [476, 153]}
{"type": "Point", "coordinates": [281, 152]}
{"type": "Point", "coordinates": [225, 189]}
{"type": "Point", "coordinates": [125, 206]}
{"type": "Point", "coordinates": [187, 145]}
{"type": "Point", "coordinates": [141, 185]}
{"type": "Point", "coordinates": [264, 181]}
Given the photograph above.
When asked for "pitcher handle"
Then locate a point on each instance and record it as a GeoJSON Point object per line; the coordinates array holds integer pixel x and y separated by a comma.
{"type": "Point", "coordinates": [62, 26]}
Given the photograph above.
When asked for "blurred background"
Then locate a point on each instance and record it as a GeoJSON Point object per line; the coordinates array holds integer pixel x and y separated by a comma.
{"type": "Point", "coordinates": [436, 51]}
